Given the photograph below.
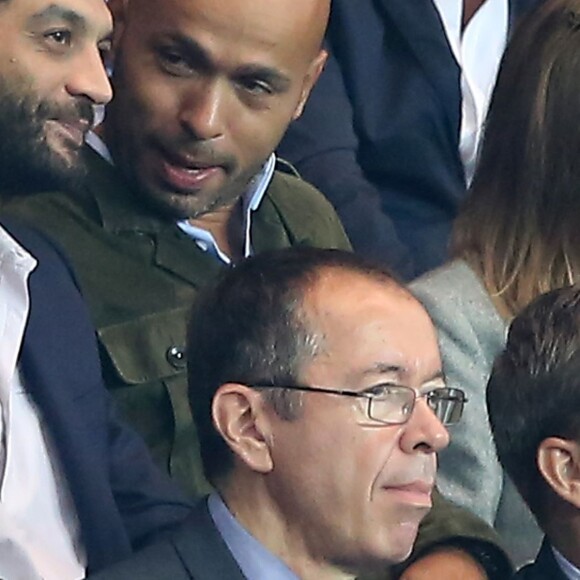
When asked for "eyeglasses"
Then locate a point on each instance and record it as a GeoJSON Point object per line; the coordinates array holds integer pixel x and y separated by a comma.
{"type": "Point", "coordinates": [393, 404]}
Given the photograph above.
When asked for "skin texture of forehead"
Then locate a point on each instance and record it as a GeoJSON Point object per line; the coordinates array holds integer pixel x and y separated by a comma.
{"type": "Point", "coordinates": [335, 289]}
{"type": "Point", "coordinates": [310, 17]}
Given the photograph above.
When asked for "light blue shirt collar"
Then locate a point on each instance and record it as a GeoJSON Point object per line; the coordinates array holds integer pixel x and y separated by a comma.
{"type": "Point", "coordinates": [568, 569]}
{"type": "Point", "coordinates": [254, 560]}
{"type": "Point", "coordinates": [251, 202]}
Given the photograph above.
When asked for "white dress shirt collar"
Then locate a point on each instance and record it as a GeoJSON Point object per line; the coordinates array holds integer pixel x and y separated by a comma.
{"type": "Point", "coordinates": [478, 50]}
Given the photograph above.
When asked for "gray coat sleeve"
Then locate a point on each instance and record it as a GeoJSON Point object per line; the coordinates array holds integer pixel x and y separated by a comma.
{"type": "Point", "coordinates": [471, 334]}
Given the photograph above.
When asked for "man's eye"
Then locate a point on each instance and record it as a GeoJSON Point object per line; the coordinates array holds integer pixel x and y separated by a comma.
{"type": "Point", "coordinates": [61, 38]}
{"type": "Point", "coordinates": [256, 87]}
{"type": "Point", "coordinates": [173, 62]}
{"type": "Point", "coordinates": [384, 389]}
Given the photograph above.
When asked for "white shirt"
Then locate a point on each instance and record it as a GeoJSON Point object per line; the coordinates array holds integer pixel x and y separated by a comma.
{"type": "Point", "coordinates": [478, 52]}
{"type": "Point", "coordinates": [39, 531]}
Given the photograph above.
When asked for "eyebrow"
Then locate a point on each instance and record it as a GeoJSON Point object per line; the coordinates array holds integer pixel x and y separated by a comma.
{"type": "Point", "coordinates": [202, 58]}
{"type": "Point", "coordinates": [56, 12]}
{"type": "Point", "coordinates": [269, 75]}
{"type": "Point", "coordinates": [383, 368]}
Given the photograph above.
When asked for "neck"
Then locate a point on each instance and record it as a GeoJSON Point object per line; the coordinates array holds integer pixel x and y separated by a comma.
{"type": "Point", "coordinates": [226, 225]}
{"type": "Point", "coordinates": [260, 515]}
{"type": "Point", "coordinates": [470, 7]}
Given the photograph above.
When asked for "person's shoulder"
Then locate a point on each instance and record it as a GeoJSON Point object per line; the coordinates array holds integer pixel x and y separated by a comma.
{"type": "Point", "coordinates": [544, 566]}
{"type": "Point", "coordinates": [159, 561]}
{"type": "Point", "coordinates": [452, 285]}
{"type": "Point", "coordinates": [305, 212]}
{"type": "Point", "coordinates": [33, 240]}
{"type": "Point", "coordinates": [440, 278]}
{"type": "Point", "coordinates": [291, 191]}
{"type": "Point", "coordinates": [456, 298]}
{"type": "Point", "coordinates": [44, 207]}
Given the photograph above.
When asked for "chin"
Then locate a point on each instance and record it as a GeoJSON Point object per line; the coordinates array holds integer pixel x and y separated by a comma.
{"type": "Point", "coordinates": [395, 544]}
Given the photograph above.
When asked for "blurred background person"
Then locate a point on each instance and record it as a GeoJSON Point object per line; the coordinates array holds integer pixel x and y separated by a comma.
{"type": "Point", "coordinates": [391, 131]}
{"type": "Point", "coordinates": [533, 399]}
{"type": "Point", "coordinates": [516, 237]}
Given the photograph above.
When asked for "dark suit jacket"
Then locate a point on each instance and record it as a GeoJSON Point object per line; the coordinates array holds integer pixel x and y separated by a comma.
{"type": "Point", "coordinates": [120, 498]}
{"type": "Point", "coordinates": [196, 552]}
{"type": "Point", "coordinates": [544, 567]}
{"type": "Point", "coordinates": [380, 133]}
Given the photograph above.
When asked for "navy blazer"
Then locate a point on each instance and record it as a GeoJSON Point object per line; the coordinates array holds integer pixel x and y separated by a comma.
{"type": "Point", "coordinates": [544, 567]}
{"type": "Point", "coordinates": [380, 133]}
{"type": "Point", "coordinates": [121, 499]}
{"type": "Point", "coordinates": [195, 552]}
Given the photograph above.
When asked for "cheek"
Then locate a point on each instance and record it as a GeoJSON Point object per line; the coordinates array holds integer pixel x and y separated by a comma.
{"type": "Point", "coordinates": [154, 106]}
{"type": "Point", "coordinates": [257, 132]}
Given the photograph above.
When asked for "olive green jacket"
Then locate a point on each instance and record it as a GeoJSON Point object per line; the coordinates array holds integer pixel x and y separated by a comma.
{"type": "Point", "coordinates": [140, 275]}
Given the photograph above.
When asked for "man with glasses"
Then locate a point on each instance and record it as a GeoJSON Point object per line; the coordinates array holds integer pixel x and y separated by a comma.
{"type": "Point", "coordinates": [317, 389]}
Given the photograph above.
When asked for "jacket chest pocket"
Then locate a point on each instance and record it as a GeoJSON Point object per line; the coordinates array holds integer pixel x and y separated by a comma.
{"type": "Point", "coordinates": [145, 368]}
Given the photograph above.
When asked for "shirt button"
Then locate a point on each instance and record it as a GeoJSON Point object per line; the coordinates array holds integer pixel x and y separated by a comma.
{"type": "Point", "coordinates": [175, 356]}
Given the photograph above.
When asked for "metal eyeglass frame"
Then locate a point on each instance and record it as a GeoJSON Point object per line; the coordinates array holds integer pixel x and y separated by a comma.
{"type": "Point", "coordinates": [449, 414]}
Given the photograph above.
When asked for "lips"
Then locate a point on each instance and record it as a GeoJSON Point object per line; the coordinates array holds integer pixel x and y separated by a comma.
{"type": "Point", "coordinates": [71, 132]}
{"type": "Point", "coordinates": [416, 493]}
{"type": "Point", "coordinates": [188, 178]}
{"type": "Point", "coordinates": [188, 174]}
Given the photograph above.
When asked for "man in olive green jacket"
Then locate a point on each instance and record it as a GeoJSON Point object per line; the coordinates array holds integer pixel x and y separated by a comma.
{"type": "Point", "coordinates": [184, 183]}
{"type": "Point", "coordinates": [140, 274]}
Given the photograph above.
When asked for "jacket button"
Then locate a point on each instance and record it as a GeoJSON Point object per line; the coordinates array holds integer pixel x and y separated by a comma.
{"type": "Point", "coordinates": [175, 356]}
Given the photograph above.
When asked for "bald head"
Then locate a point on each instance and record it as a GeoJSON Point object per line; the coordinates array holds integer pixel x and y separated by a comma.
{"type": "Point", "coordinates": [283, 18]}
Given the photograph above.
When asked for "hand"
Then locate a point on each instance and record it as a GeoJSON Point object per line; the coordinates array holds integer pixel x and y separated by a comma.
{"type": "Point", "coordinates": [445, 564]}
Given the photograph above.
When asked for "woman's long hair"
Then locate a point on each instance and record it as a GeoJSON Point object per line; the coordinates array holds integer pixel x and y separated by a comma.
{"type": "Point", "coordinates": [520, 225]}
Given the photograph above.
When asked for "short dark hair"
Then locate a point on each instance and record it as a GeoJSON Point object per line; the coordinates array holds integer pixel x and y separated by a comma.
{"type": "Point", "coordinates": [250, 328]}
{"type": "Point", "coordinates": [534, 388]}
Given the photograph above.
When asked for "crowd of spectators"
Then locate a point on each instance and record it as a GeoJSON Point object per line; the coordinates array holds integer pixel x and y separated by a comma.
{"type": "Point", "coordinates": [255, 320]}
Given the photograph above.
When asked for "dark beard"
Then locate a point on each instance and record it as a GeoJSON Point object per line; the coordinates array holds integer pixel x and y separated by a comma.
{"type": "Point", "coordinates": [28, 164]}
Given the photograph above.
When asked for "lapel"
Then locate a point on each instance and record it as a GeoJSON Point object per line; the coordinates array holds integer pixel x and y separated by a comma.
{"type": "Point", "coordinates": [420, 25]}
{"type": "Point", "coordinates": [545, 565]}
{"type": "Point", "coordinates": [202, 549]}
{"type": "Point", "coordinates": [59, 363]}
{"type": "Point", "coordinates": [178, 254]}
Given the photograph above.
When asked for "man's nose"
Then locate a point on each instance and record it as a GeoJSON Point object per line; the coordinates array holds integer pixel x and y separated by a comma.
{"type": "Point", "coordinates": [203, 110]}
{"type": "Point", "coordinates": [424, 431]}
{"type": "Point", "coordinates": [89, 78]}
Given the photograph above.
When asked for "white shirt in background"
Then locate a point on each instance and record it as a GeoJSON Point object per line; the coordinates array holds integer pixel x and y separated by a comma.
{"type": "Point", "coordinates": [478, 51]}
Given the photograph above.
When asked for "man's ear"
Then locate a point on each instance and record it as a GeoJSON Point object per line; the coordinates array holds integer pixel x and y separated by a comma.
{"type": "Point", "coordinates": [559, 463]}
{"type": "Point", "coordinates": [239, 414]}
{"type": "Point", "coordinates": [314, 71]}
